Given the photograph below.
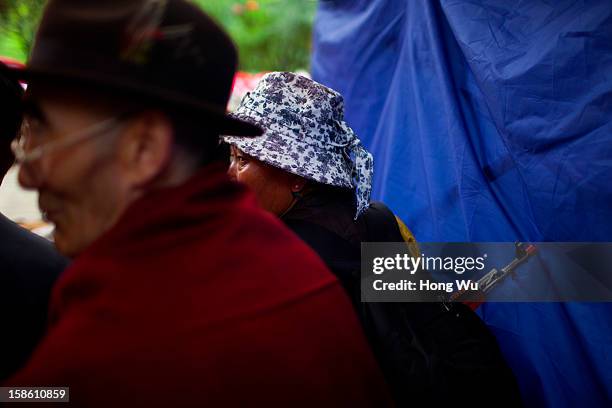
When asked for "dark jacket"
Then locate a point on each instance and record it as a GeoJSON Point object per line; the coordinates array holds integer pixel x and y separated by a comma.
{"type": "Point", "coordinates": [430, 353]}
{"type": "Point", "coordinates": [29, 265]}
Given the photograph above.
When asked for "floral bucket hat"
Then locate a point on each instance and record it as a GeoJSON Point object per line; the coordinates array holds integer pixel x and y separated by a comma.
{"type": "Point", "coordinates": [305, 133]}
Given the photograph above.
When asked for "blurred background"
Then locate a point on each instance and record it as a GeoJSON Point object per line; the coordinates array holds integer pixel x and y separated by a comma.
{"type": "Point", "coordinates": [271, 35]}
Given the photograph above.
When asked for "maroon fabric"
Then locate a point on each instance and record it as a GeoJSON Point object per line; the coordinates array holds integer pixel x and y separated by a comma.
{"type": "Point", "coordinates": [197, 297]}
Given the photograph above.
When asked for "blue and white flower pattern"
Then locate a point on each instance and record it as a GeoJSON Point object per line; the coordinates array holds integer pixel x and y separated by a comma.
{"type": "Point", "coordinates": [305, 133]}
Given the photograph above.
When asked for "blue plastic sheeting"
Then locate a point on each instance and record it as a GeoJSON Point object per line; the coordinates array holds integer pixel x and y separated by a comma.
{"type": "Point", "coordinates": [490, 120]}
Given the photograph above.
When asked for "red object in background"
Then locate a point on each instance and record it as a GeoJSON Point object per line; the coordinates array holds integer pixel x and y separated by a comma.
{"type": "Point", "coordinates": [13, 63]}
{"type": "Point", "coordinates": [244, 82]}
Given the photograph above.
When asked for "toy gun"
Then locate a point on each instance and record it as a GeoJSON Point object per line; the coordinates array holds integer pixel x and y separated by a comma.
{"type": "Point", "coordinates": [523, 252]}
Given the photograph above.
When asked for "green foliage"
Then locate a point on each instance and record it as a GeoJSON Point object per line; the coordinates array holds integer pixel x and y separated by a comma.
{"type": "Point", "coordinates": [270, 34]}
{"type": "Point", "coordinates": [18, 21]}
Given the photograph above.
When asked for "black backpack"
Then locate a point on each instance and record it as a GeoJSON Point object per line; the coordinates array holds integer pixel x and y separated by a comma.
{"type": "Point", "coordinates": [430, 353]}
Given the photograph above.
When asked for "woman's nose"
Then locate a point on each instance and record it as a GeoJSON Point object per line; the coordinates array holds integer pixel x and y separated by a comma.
{"type": "Point", "coordinates": [231, 170]}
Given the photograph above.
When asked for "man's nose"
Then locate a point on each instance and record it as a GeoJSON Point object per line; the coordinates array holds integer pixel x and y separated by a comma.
{"type": "Point", "coordinates": [28, 178]}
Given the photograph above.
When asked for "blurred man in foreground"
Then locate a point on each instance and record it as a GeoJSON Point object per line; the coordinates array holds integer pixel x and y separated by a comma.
{"type": "Point", "coordinates": [28, 264]}
{"type": "Point", "coordinates": [182, 292]}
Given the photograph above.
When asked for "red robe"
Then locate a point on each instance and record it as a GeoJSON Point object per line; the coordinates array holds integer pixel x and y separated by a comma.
{"type": "Point", "coordinates": [198, 298]}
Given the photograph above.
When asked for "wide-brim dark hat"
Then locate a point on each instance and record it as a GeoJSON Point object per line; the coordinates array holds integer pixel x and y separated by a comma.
{"type": "Point", "coordinates": [159, 51]}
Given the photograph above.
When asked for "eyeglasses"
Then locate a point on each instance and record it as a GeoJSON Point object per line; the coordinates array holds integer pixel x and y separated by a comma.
{"type": "Point", "coordinates": [23, 156]}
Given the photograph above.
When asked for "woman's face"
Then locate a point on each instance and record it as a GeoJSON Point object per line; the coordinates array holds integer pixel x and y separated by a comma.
{"type": "Point", "coordinates": [271, 185]}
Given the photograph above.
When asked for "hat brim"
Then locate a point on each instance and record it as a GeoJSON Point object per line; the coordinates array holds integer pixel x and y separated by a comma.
{"type": "Point", "coordinates": [285, 152]}
{"type": "Point", "coordinates": [216, 118]}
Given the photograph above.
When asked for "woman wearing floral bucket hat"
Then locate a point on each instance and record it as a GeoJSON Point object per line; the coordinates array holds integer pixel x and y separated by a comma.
{"type": "Point", "coordinates": [310, 169]}
{"type": "Point", "coordinates": [308, 152]}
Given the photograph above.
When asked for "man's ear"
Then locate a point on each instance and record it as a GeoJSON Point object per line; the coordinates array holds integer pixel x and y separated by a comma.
{"type": "Point", "coordinates": [145, 147]}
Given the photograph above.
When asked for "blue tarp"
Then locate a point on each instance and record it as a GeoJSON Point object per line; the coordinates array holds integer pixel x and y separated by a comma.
{"type": "Point", "coordinates": [491, 120]}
